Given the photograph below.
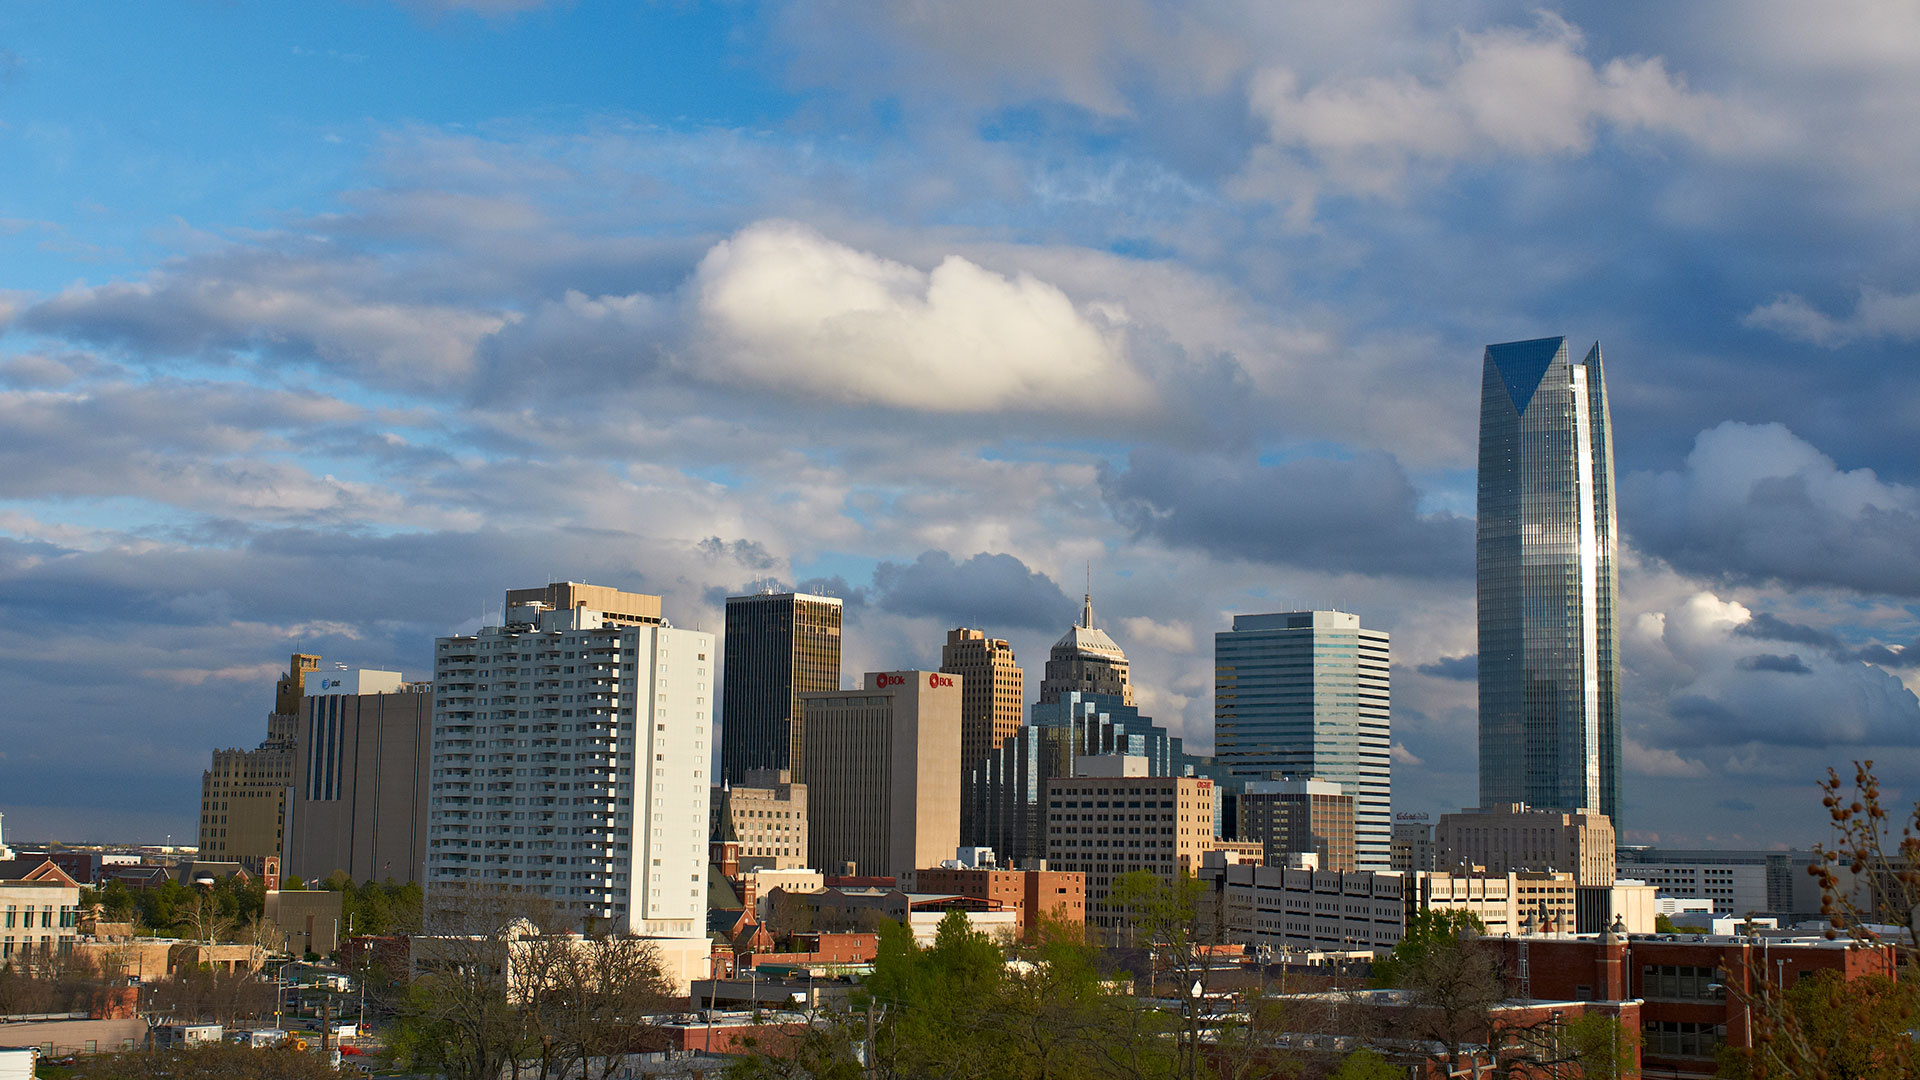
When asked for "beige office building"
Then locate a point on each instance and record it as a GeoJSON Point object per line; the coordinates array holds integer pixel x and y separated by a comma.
{"type": "Point", "coordinates": [614, 607]}
{"type": "Point", "coordinates": [243, 793]}
{"type": "Point", "coordinates": [768, 814]}
{"type": "Point", "coordinates": [992, 691]}
{"type": "Point", "coordinates": [883, 773]}
{"type": "Point", "coordinates": [1412, 848]}
{"type": "Point", "coordinates": [1505, 903]}
{"type": "Point", "coordinates": [362, 762]}
{"type": "Point", "coordinates": [1109, 825]}
{"type": "Point", "coordinates": [1514, 837]}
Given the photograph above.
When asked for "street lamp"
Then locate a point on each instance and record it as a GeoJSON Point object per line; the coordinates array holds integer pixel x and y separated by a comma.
{"type": "Point", "coordinates": [1746, 1011]}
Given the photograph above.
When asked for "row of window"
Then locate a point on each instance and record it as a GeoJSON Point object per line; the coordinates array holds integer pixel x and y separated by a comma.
{"type": "Point", "coordinates": [23, 916]}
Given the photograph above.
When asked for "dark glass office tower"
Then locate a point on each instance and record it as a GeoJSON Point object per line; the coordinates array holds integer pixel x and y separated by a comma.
{"type": "Point", "coordinates": [779, 646]}
{"type": "Point", "coordinates": [1549, 680]}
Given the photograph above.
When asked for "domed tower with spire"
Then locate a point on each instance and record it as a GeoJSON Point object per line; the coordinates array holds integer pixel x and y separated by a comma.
{"type": "Point", "coordinates": [1087, 660]}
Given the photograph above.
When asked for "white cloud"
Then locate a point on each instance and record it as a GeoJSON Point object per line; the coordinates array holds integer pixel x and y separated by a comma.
{"type": "Point", "coordinates": [1877, 314]}
{"type": "Point", "coordinates": [1757, 502]}
{"type": "Point", "coordinates": [784, 308]}
{"type": "Point", "coordinates": [1659, 761]}
{"type": "Point", "coordinates": [1694, 682]}
{"type": "Point", "coordinates": [239, 673]}
{"type": "Point", "coordinates": [1505, 91]}
{"type": "Point", "coordinates": [1174, 636]}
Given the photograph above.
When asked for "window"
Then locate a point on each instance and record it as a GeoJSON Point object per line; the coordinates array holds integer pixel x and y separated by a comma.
{"type": "Point", "coordinates": [1680, 981]}
{"type": "Point", "coordinates": [1680, 1038]}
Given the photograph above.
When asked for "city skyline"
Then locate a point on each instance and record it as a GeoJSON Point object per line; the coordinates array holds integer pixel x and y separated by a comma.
{"type": "Point", "coordinates": [319, 324]}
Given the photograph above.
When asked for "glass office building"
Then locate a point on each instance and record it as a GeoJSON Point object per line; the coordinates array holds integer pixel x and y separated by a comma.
{"type": "Point", "coordinates": [778, 647]}
{"type": "Point", "coordinates": [1546, 581]}
{"type": "Point", "coordinates": [1307, 695]}
{"type": "Point", "coordinates": [1006, 789]}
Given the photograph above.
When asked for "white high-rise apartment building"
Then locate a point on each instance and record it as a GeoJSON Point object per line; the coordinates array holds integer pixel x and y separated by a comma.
{"type": "Point", "coordinates": [570, 760]}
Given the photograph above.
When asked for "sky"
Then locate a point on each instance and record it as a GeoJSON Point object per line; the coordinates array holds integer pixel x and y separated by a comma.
{"type": "Point", "coordinates": [322, 325]}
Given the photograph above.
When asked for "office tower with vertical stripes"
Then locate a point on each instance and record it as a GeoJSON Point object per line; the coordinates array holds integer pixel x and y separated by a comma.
{"type": "Point", "coordinates": [778, 647]}
{"type": "Point", "coordinates": [1306, 695]}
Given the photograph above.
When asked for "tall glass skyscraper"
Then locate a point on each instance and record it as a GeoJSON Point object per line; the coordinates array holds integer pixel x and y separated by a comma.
{"type": "Point", "coordinates": [1544, 555]}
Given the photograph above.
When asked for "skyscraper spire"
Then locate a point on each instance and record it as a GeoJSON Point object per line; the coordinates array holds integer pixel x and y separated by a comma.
{"type": "Point", "coordinates": [1086, 613]}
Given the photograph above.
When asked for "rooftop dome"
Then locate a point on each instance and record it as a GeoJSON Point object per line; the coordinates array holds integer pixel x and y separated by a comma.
{"type": "Point", "coordinates": [1083, 637]}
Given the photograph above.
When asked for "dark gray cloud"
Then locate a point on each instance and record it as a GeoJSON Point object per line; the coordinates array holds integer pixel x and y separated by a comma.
{"type": "Point", "coordinates": [1358, 515]}
{"type": "Point", "coordinates": [1766, 626]}
{"type": "Point", "coordinates": [1462, 668]}
{"type": "Point", "coordinates": [1891, 656]}
{"type": "Point", "coordinates": [1785, 665]}
{"type": "Point", "coordinates": [751, 554]}
{"type": "Point", "coordinates": [989, 591]}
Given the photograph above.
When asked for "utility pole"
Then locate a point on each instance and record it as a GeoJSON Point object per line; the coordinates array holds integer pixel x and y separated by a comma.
{"type": "Point", "coordinates": [872, 1065]}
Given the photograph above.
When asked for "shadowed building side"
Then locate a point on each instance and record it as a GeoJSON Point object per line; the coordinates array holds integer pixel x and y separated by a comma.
{"type": "Point", "coordinates": [778, 647]}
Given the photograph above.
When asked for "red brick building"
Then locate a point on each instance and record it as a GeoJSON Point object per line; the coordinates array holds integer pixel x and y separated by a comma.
{"type": "Point", "coordinates": [1682, 981]}
{"type": "Point", "coordinates": [1056, 894]}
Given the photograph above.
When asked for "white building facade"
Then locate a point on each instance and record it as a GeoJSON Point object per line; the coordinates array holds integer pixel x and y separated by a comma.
{"type": "Point", "coordinates": [570, 761]}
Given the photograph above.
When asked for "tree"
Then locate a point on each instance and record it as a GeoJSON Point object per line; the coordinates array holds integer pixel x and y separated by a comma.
{"type": "Point", "coordinates": [1170, 919]}
{"type": "Point", "coordinates": [1592, 1046]}
{"type": "Point", "coordinates": [1453, 981]}
{"type": "Point", "coordinates": [459, 1017]}
{"type": "Point", "coordinates": [1824, 1028]}
{"type": "Point", "coordinates": [957, 1010]}
{"type": "Point", "coordinates": [1831, 1028]}
{"type": "Point", "coordinates": [1364, 1064]}
{"type": "Point", "coordinates": [1663, 924]}
{"type": "Point", "coordinates": [1866, 854]}
{"type": "Point", "coordinates": [609, 986]}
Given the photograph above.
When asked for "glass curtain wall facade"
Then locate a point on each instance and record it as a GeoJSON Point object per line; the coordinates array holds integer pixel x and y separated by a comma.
{"type": "Point", "coordinates": [1546, 582]}
{"type": "Point", "coordinates": [778, 647]}
{"type": "Point", "coordinates": [1307, 694]}
{"type": "Point", "coordinates": [1005, 791]}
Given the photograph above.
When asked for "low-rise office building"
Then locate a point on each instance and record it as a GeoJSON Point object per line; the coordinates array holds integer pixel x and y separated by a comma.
{"type": "Point", "coordinates": [1738, 882]}
{"type": "Point", "coordinates": [1295, 816]}
{"type": "Point", "coordinates": [1289, 910]}
{"type": "Point", "coordinates": [1412, 845]}
{"type": "Point", "coordinates": [39, 914]}
{"type": "Point", "coordinates": [855, 908]}
{"type": "Point", "coordinates": [1516, 837]}
{"type": "Point", "coordinates": [1687, 1012]}
{"type": "Point", "coordinates": [768, 815]}
{"type": "Point", "coordinates": [1106, 826]}
{"type": "Point", "coordinates": [1033, 895]}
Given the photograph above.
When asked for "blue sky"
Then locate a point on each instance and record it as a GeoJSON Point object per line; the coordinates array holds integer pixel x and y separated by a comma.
{"type": "Point", "coordinates": [320, 327]}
